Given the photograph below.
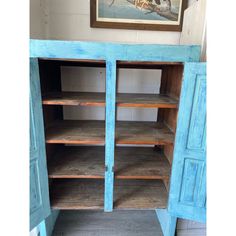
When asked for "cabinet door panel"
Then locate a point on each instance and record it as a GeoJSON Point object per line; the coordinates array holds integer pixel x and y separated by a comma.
{"type": "Point", "coordinates": [39, 196]}
{"type": "Point", "coordinates": [188, 180]}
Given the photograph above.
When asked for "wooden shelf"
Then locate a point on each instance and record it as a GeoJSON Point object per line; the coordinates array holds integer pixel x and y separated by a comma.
{"type": "Point", "coordinates": [93, 132]}
{"type": "Point", "coordinates": [89, 162]}
{"type": "Point", "coordinates": [139, 194]}
{"type": "Point", "coordinates": [122, 99]}
{"type": "Point", "coordinates": [75, 98]}
{"type": "Point", "coordinates": [143, 133]}
{"type": "Point", "coordinates": [140, 163]}
{"type": "Point", "coordinates": [77, 194]}
{"type": "Point", "coordinates": [76, 132]}
{"type": "Point", "coordinates": [78, 162]}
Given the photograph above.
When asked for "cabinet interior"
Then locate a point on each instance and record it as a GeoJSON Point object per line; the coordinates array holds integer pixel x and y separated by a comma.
{"type": "Point", "coordinates": [75, 145]}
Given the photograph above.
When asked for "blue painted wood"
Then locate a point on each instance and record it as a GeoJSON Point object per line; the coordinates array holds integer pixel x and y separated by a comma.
{"type": "Point", "coordinates": [39, 196]}
{"type": "Point", "coordinates": [110, 133]}
{"type": "Point", "coordinates": [42, 228]}
{"type": "Point", "coordinates": [187, 198]}
{"type": "Point", "coordinates": [167, 222]}
{"type": "Point", "coordinates": [127, 52]}
{"type": "Point", "coordinates": [50, 221]}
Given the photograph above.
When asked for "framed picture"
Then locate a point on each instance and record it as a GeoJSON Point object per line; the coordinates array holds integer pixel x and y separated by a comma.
{"type": "Point", "coordinates": [164, 15]}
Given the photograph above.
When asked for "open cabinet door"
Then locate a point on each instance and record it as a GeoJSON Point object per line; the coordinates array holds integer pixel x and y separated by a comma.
{"type": "Point", "coordinates": [187, 198]}
{"type": "Point", "coordinates": [39, 195]}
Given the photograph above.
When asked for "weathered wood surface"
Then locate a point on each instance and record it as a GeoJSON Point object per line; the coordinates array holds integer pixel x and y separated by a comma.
{"type": "Point", "coordinates": [122, 99]}
{"type": "Point", "coordinates": [98, 223]}
{"type": "Point", "coordinates": [140, 163]}
{"type": "Point", "coordinates": [75, 99]}
{"type": "Point", "coordinates": [102, 63]}
{"type": "Point", "coordinates": [139, 194]}
{"type": "Point", "coordinates": [124, 52]}
{"type": "Point", "coordinates": [78, 162]}
{"type": "Point", "coordinates": [142, 132]}
{"type": "Point", "coordinates": [93, 132]}
{"type": "Point", "coordinates": [88, 162]}
{"type": "Point", "coordinates": [77, 194]}
{"type": "Point", "coordinates": [76, 132]}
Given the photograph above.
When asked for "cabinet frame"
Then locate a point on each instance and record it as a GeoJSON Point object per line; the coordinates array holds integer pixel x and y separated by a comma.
{"type": "Point", "coordinates": [111, 53]}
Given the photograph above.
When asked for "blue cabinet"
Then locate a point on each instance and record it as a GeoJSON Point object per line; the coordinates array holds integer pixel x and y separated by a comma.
{"type": "Point", "coordinates": [187, 194]}
{"type": "Point", "coordinates": [187, 198]}
{"type": "Point", "coordinates": [39, 195]}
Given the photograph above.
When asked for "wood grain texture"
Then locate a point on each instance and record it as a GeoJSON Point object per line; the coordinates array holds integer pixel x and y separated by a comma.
{"type": "Point", "coordinates": [116, 223]}
{"type": "Point", "coordinates": [98, 99]}
{"type": "Point", "coordinates": [141, 132]}
{"type": "Point", "coordinates": [140, 163]}
{"type": "Point", "coordinates": [92, 132]}
{"type": "Point", "coordinates": [110, 132]}
{"type": "Point", "coordinates": [78, 162]}
{"type": "Point", "coordinates": [88, 162]}
{"type": "Point", "coordinates": [39, 194]}
{"type": "Point", "coordinates": [188, 179]}
{"type": "Point", "coordinates": [77, 194]}
{"type": "Point", "coordinates": [76, 132]}
{"type": "Point", "coordinates": [139, 194]}
{"type": "Point", "coordinates": [124, 52]}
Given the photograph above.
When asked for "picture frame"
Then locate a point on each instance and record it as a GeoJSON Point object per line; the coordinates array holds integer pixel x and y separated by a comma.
{"type": "Point", "coordinates": [138, 14]}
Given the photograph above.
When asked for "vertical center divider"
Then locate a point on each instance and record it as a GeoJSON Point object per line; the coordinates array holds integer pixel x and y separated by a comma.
{"type": "Point", "coordinates": [110, 133]}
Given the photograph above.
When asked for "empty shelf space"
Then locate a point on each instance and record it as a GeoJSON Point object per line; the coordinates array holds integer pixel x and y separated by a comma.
{"type": "Point", "coordinates": [78, 162]}
{"type": "Point", "coordinates": [77, 194]}
{"type": "Point", "coordinates": [76, 132]}
{"type": "Point", "coordinates": [122, 99]}
{"type": "Point", "coordinates": [142, 132]}
{"type": "Point", "coordinates": [93, 132]}
{"type": "Point", "coordinates": [89, 162]}
{"type": "Point", "coordinates": [139, 194]}
{"type": "Point", "coordinates": [140, 163]}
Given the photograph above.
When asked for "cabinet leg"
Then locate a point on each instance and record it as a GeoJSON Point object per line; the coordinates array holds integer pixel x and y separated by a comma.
{"type": "Point", "coordinates": [42, 228]}
{"type": "Point", "coordinates": [167, 222]}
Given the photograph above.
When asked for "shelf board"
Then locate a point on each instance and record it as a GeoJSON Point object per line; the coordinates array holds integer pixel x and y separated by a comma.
{"type": "Point", "coordinates": [68, 194]}
{"type": "Point", "coordinates": [93, 132]}
{"type": "Point", "coordinates": [122, 99]}
{"type": "Point", "coordinates": [143, 133]}
{"type": "Point", "coordinates": [77, 194]}
{"type": "Point", "coordinates": [75, 98]}
{"type": "Point", "coordinates": [139, 194]}
{"type": "Point", "coordinates": [89, 162]}
{"type": "Point", "coordinates": [140, 163]}
{"type": "Point", "coordinates": [78, 162]}
{"type": "Point", "coordinates": [76, 132]}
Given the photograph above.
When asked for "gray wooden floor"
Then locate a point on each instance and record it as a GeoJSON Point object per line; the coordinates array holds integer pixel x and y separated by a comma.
{"type": "Point", "coordinates": [98, 223]}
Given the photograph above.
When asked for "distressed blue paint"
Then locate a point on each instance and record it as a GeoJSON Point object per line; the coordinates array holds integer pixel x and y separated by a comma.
{"type": "Point", "coordinates": [188, 179]}
{"type": "Point", "coordinates": [42, 229]}
{"type": "Point", "coordinates": [50, 221]}
{"type": "Point", "coordinates": [167, 222]}
{"type": "Point", "coordinates": [110, 133]}
{"type": "Point", "coordinates": [39, 195]}
{"type": "Point", "coordinates": [127, 52]}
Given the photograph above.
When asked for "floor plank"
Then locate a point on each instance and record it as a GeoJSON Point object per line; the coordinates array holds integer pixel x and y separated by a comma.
{"type": "Point", "coordinates": [99, 223]}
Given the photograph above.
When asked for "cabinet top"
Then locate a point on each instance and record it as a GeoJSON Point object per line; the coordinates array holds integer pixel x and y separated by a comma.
{"type": "Point", "coordinates": [113, 51]}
